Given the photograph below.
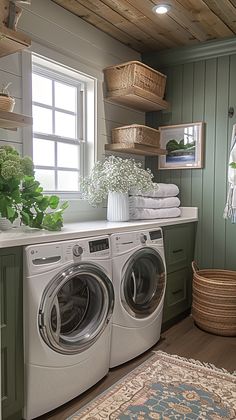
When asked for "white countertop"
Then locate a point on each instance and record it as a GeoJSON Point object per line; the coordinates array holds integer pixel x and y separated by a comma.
{"type": "Point", "coordinates": [26, 236]}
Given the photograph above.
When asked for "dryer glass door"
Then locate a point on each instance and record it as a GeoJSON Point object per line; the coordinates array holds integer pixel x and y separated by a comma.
{"type": "Point", "coordinates": [75, 308]}
{"type": "Point", "coordinates": [143, 283]}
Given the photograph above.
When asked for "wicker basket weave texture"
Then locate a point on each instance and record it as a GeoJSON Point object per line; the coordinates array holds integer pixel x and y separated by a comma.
{"type": "Point", "coordinates": [7, 103]}
{"type": "Point", "coordinates": [214, 300]}
{"type": "Point", "coordinates": [136, 133]}
{"type": "Point", "coordinates": [135, 73]}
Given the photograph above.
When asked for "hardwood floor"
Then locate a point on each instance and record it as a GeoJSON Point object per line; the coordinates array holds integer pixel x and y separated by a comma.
{"type": "Point", "coordinates": [184, 339]}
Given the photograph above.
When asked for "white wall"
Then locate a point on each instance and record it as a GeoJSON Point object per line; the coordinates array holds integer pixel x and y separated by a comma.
{"type": "Point", "coordinates": [81, 46]}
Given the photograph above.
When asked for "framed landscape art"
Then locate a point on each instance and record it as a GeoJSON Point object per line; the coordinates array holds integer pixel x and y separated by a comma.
{"type": "Point", "coordinates": [184, 146]}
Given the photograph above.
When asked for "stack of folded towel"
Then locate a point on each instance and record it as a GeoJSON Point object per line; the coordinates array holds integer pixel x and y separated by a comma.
{"type": "Point", "coordinates": [160, 203]}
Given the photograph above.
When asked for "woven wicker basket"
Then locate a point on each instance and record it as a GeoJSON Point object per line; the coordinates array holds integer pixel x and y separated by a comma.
{"type": "Point", "coordinates": [7, 103]}
{"type": "Point", "coordinates": [135, 73]}
{"type": "Point", "coordinates": [136, 133]}
{"type": "Point", "coordinates": [214, 300]}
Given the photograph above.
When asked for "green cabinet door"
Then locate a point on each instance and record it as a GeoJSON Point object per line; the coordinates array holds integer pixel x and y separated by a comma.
{"type": "Point", "coordinates": [179, 243]}
{"type": "Point", "coordinates": [178, 294]}
{"type": "Point", "coordinates": [12, 362]}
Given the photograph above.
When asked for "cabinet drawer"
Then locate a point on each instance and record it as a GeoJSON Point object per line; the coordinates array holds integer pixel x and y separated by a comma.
{"type": "Point", "coordinates": [178, 291]}
{"type": "Point", "coordinates": [179, 246]}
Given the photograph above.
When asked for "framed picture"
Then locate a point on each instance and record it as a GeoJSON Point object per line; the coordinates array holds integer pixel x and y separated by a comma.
{"type": "Point", "coordinates": [184, 146]}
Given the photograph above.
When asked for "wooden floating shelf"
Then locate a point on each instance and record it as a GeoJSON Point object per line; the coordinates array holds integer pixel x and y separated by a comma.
{"type": "Point", "coordinates": [12, 41]}
{"type": "Point", "coordinates": [12, 121]}
{"type": "Point", "coordinates": [135, 148]}
{"type": "Point", "coordinates": [137, 98]}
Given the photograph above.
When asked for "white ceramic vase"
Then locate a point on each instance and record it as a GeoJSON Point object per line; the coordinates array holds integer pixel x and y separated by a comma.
{"type": "Point", "coordinates": [117, 207]}
{"type": "Point", "coordinates": [5, 224]}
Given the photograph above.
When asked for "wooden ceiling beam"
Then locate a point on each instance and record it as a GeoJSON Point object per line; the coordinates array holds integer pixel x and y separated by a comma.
{"type": "Point", "coordinates": [138, 18]}
{"type": "Point", "coordinates": [209, 20]}
{"type": "Point", "coordinates": [164, 23]}
{"type": "Point", "coordinates": [225, 10]}
{"type": "Point", "coordinates": [133, 22]}
{"type": "Point", "coordinates": [187, 19]}
{"type": "Point", "coordinates": [102, 10]}
{"type": "Point", "coordinates": [83, 13]}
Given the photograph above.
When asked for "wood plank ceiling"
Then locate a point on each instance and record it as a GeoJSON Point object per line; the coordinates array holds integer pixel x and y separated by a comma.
{"type": "Point", "coordinates": [133, 23]}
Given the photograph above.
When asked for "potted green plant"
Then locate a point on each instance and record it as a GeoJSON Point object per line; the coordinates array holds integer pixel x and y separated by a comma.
{"type": "Point", "coordinates": [21, 195]}
{"type": "Point", "coordinates": [7, 102]}
{"type": "Point", "coordinates": [113, 178]}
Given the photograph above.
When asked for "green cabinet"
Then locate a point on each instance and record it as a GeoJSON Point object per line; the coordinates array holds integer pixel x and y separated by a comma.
{"type": "Point", "coordinates": [179, 241]}
{"type": "Point", "coordinates": [12, 363]}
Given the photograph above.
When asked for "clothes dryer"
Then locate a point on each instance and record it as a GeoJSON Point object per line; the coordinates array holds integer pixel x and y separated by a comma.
{"type": "Point", "coordinates": [68, 304]}
{"type": "Point", "coordinates": [139, 281]}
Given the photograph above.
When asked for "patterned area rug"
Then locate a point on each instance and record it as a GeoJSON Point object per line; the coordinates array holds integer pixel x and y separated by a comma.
{"type": "Point", "coordinates": [167, 387]}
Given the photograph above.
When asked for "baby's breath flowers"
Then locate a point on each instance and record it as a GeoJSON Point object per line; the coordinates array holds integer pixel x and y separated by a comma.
{"type": "Point", "coordinates": [115, 174]}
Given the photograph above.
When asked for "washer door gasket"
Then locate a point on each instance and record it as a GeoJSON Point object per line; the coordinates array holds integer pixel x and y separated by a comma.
{"type": "Point", "coordinates": [143, 283]}
{"type": "Point", "coordinates": [75, 308]}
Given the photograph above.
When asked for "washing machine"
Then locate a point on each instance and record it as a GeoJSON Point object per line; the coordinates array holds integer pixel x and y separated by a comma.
{"type": "Point", "coordinates": [139, 281]}
{"type": "Point", "coordinates": [68, 304]}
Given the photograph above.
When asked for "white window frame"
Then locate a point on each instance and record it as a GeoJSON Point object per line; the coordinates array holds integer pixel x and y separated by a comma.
{"type": "Point", "coordinates": [87, 137]}
{"type": "Point", "coordinates": [80, 139]}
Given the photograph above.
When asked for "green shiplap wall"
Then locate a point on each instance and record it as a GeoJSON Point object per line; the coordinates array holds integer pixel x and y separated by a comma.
{"type": "Point", "coordinates": [203, 91]}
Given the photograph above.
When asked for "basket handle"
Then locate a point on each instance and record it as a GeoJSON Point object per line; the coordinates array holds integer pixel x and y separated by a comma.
{"type": "Point", "coordinates": [195, 266]}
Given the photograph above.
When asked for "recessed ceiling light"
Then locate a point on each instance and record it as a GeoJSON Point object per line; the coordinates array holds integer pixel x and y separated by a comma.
{"type": "Point", "coordinates": [161, 9]}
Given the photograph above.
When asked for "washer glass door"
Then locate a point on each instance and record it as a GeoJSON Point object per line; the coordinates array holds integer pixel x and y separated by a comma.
{"type": "Point", "coordinates": [143, 283]}
{"type": "Point", "coordinates": [75, 308]}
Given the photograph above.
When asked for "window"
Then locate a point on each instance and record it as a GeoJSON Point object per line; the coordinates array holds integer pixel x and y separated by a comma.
{"type": "Point", "coordinates": [59, 101]}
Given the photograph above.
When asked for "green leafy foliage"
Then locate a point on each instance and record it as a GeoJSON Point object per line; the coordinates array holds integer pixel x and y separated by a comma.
{"type": "Point", "coordinates": [173, 145]}
{"type": "Point", "coordinates": [21, 195]}
{"type": "Point", "coordinates": [233, 165]}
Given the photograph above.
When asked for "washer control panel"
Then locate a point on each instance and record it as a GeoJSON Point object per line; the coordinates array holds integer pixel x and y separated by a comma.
{"type": "Point", "coordinates": [44, 257]}
{"type": "Point", "coordinates": [143, 238]}
{"type": "Point", "coordinates": [77, 250]}
{"type": "Point", "coordinates": [82, 249]}
{"type": "Point", "coordinates": [127, 241]}
{"type": "Point", "coordinates": [98, 245]}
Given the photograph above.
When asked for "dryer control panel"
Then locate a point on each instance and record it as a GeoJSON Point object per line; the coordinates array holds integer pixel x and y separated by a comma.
{"type": "Point", "coordinates": [122, 242]}
{"type": "Point", "coordinates": [43, 257]}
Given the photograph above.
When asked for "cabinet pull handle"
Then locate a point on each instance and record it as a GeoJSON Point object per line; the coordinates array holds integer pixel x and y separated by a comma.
{"type": "Point", "coordinates": [177, 291]}
{"type": "Point", "coordinates": [177, 250]}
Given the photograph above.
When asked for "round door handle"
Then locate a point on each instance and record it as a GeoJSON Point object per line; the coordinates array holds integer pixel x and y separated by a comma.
{"type": "Point", "coordinates": [77, 250]}
{"type": "Point", "coordinates": [143, 238]}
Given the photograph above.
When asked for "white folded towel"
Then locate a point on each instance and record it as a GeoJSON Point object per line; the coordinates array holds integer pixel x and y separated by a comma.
{"type": "Point", "coordinates": [160, 190]}
{"type": "Point", "coordinates": [153, 203]}
{"type": "Point", "coordinates": [154, 213]}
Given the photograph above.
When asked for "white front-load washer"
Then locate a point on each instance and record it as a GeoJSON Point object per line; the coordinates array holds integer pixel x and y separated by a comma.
{"type": "Point", "coordinates": [68, 304]}
{"type": "Point", "coordinates": [139, 281]}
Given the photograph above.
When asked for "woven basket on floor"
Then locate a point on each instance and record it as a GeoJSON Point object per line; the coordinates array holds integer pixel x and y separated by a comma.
{"type": "Point", "coordinates": [214, 300]}
{"type": "Point", "coordinates": [135, 73]}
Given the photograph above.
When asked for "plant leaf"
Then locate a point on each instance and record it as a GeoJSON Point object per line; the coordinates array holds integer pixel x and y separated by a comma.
{"type": "Point", "coordinates": [25, 217]}
{"type": "Point", "coordinates": [10, 212]}
{"type": "Point", "coordinates": [54, 201]}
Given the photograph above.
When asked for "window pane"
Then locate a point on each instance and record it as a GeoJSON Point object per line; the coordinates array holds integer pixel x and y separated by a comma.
{"type": "Point", "coordinates": [65, 96]}
{"type": "Point", "coordinates": [46, 178]}
{"type": "Point", "coordinates": [43, 152]}
{"type": "Point", "coordinates": [42, 119]}
{"type": "Point", "coordinates": [67, 155]}
{"type": "Point", "coordinates": [68, 181]}
{"type": "Point", "coordinates": [42, 89]}
{"type": "Point", "coordinates": [65, 125]}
